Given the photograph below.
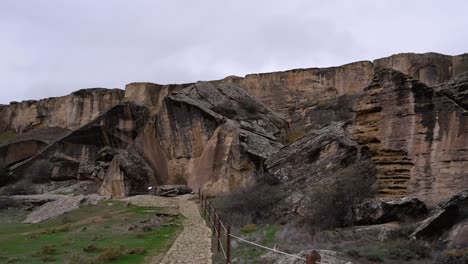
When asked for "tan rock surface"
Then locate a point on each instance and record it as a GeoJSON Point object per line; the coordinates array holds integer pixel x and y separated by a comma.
{"type": "Point", "coordinates": [71, 111]}
{"type": "Point", "coordinates": [416, 135]}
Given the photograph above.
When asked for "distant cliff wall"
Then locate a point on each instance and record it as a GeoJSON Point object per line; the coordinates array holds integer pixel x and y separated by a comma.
{"type": "Point", "coordinates": [71, 111]}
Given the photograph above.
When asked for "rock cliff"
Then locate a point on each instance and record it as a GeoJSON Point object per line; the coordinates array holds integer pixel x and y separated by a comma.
{"type": "Point", "coordinates": [407, 111]}
{"type": "Point", "coordinates": [70, 112]}
{"type": "Point", "coordinates": [417, 135]}
{"type": "Point", "coordinates": [210, 136]}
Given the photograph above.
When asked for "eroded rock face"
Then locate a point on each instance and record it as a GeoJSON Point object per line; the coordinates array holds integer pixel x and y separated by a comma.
{"type": "Point", "coordinates": [70, 112]}
{"type": "Point", "coordinates": [117, 128]}
{"type": "Point", "coordinates": [297, 94]}
{"type": "Point", "coordinates": [428, 68]}
{"type": "Point", "coordinates": [210, 136]}
{"type": "Point", "coordinates": [416, 135]}
{"type": "Point", "coordinates": [315, 161]}
{"type": "Point", "coordinates": [150, 95]}
{"type": "Point", "coordinates": [26, 145]}
{"type": "Point", "coordinates": [446, 215]}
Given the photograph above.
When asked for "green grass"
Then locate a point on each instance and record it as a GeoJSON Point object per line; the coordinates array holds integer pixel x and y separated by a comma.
{"type": "Point", "coordinates": [7, 135]}
{"type": "Point", "coordinates": [103, 226]}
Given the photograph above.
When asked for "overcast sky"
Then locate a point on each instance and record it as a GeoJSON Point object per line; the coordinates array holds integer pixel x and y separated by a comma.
{"type": "Point", "coordinates": [53, 47]}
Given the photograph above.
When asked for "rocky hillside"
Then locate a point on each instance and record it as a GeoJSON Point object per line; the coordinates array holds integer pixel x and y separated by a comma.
{"type": "Point", "coordinates": [405, 114]}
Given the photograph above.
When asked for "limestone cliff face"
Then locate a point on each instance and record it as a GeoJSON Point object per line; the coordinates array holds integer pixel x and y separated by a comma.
{"type": "Point", "coordinates": [210, 136]}
{"type": "Point", "coordinates": [428, 68]}
{"type": "Point", "coordinates": [117, 128]}
{"type": "Point", "coordinates": [150, 95]}
{"type": "Point", "coordinates": [296, 93]}
{"type": "Point", "coordinates": [70, 112]}
{"type": "Point", "coordinates": [28, 144]}
{"type": "Point", "coordinates": [417, 135]}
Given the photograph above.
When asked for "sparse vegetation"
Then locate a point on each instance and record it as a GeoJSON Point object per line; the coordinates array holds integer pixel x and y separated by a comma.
{"type": "Point", "coordinates": [7, 135]}
{"type": "Point", "coordinates": [295, 135]}
{"type": "Point", "coordinates": [246, 206]}
{"type": "Point", "coordinates": [331, 203]}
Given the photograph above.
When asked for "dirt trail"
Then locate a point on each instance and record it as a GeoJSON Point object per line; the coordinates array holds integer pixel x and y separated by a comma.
{"type": "Point", "coordinates": [193, 245]}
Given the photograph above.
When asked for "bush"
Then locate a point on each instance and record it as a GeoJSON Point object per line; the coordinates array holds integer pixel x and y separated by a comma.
{"type": "Point", "coordinates": [249, 203]}
{"type": "Point", "coordinates": [294, 136]}
{"type": "Point", "coordinates": [449, 259]}
{"type": "Point", "coordinates": [19, 188]}
{"type": "Point", "coordinates": [38, 172]}
{"type": "Point", "coordinates": [112, 253]}
{"type": "Point", "coordinates": [330, 204]}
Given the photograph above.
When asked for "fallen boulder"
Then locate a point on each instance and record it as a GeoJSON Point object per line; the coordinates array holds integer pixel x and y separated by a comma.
{"type": "Point", "coordinates": [379, 211]}
{"type": "Point", "coordinates": [173, 190]}
{"type": "Point", "coordinates": [446, 215]}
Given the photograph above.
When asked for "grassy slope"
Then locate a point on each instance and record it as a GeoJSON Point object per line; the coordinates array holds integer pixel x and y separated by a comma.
{"type": "Point", "coordinates": [103, 226]}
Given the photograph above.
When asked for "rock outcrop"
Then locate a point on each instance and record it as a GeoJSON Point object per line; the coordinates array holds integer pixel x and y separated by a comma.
{"type": "Point", "coordinates": [379, 211]}
{"type": "Point", "coordinates": [26, 145]}
{"type": "Point", "coordinates": [128, 174]}
{"type": "Point", "coordinates": [428, 68]}
{"type": "Point", "coordinates": [117, 128]}
{"type": "Point", "coordinates": [446, 215]}
{"type": "Point", "coordinates": [70, 112]}
{"type": "Point", "coordinates": [316, 161]}
{"type": "Point", "coordinates": [210, 136]}
{"type": "Point", "coordinates": [150, 95]}
{"type": "Point", "coordinates": [300, 95]}
{"type": "Point", "coordinates": [416, 135]}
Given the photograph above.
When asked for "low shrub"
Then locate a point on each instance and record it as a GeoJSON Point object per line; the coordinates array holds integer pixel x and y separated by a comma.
{"type": "Point", "coordinates": [91, 249]}
{"type": "Point", "coordinates": [249, 203]}
{"type": "Point", "coordinates": [112, 253]}
{"type": "Point", "coordinates": [330, 203]}
{"type": "Point", "coordinates": [249, 228]}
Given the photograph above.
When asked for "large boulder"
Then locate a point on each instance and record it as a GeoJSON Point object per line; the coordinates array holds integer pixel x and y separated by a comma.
{"type": "Point", "coordinates": [446, 215]}
{"type": "Point", "coordinates": [210, 136]}
{"type": "Point", "coordinates": [117, 128]}
{"type": "Point", "coordinates": [128, 174]}
{"type": "Point", "coordinates": [322, 165]}
{"type": "Point", "coordinates": [378, 211]}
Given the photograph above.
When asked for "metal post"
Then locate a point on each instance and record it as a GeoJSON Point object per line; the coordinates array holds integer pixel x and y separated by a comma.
{"type": "Point", "coordinates": [228, 245]}
{"type": "Point", "coordinates": [219, 233]}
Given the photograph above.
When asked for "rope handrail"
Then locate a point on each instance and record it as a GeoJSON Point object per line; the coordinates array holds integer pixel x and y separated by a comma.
{"type": "Point", "coordinates": [271, 249]}
{"type": "Point", "coordinates": [213, 219]}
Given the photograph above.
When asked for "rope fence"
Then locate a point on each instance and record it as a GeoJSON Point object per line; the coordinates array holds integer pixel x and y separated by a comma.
{"type": "Point", "coordinates": [218, 227]}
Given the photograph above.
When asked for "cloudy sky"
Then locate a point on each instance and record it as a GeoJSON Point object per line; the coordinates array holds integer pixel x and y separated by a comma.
{"type": "Point", "coordinates": [53, 47]}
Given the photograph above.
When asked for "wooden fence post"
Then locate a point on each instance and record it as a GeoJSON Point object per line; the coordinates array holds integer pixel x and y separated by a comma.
{"type": "Point", "coordinates": [219, 233]}
{"type": "Point", "coordinates": [228, 245]}
{"type": "Point", "coordinates": [313, 257]}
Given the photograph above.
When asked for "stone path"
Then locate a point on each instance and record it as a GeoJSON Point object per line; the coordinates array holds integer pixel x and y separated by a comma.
{"type": "Point", "coordinates": [194, 243]}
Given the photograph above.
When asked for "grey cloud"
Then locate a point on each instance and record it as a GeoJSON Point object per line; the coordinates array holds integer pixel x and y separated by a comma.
{"type": "Point", "coordinates": [51, 48]}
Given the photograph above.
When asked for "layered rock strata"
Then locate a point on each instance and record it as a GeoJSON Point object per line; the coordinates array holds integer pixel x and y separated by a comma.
{"type": "Point", "coordinates": [417, 136]}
